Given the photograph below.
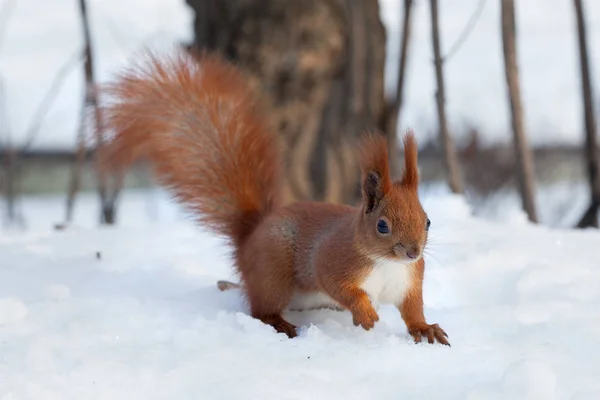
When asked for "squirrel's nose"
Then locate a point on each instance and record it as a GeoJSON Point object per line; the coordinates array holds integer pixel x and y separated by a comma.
{"type": "Point", "coordinates": [413, 252]}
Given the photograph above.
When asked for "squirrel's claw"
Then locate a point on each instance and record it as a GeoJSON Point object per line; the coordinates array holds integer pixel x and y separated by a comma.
{"type": "Point", "coordinates": [432, 332]}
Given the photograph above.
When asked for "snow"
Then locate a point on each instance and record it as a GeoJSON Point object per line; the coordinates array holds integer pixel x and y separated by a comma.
{"type": "Point", "coordinates": [134, 312]}
{"type": "Point", "coordinates": [40, 36]}
{"type": "Point", "coordinates": [559, 204]}
{"type": "Point", "coordinates": [11, 310]}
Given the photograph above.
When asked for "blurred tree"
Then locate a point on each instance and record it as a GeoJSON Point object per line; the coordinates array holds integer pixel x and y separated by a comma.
{"type": "Point", "coordinates": [450, 156]}
{"type": "Point", "coordinates": [590, 217]}
{"type": "Point", "coordinates": [523, 152]}
{"type": "Point", "coordinates": [108, 186]}
{"type": "Point", "coordinates": [394, 106]}
{"type": "Point", "coordinates": [320, 66]}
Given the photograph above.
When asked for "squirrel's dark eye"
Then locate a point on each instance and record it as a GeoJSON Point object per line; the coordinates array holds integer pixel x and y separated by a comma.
{"type": "Point", "coordinates": [428, 224]}
{"type": "Point", "coordinates": [382, 227]}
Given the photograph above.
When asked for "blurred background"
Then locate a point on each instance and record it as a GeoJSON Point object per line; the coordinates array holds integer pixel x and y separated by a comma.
{"type": "Point", "coordinates": [500, 95]}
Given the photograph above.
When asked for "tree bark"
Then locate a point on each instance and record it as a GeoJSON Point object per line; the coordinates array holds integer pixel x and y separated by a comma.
{"type": "Point", "coordinates": [590, 217]}
{"type": "Point", "coordinates": [523, 153]}
{"type": "Point", "coordinates": [319, 64]}
{"type": "Point", "coordinates": [450, 157]}
{"type": "Point", "coordinates": [392, 114]}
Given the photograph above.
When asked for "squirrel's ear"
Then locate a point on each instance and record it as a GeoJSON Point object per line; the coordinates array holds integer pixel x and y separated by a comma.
{"type": "Point", "coordinates": [373, 191]}
{"type": "Point", "coordinates": [410, 177]}
{"type": "Point", "coordinates": [375, 170]}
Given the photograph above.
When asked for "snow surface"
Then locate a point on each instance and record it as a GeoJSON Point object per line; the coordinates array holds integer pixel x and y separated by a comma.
{"type": "Point", "coordinates": [133, 312]}
{"type": "Point", "coordinates": [40, 36]}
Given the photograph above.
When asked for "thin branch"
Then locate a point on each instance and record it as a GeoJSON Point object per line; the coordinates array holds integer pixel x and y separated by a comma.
{"type": "Point", "coordinates": [9, 171]}
{"type": "Point", "coordinates": [76, 170]}
{"type": "Point", "coordinates": [5, 13]}
{"type": "Point", "coordinates": [464, 35]}
{"type": "Point", "coordinates": [91, 99]}
{"type": "Point", "coordinates": [49, 98]}
{"type": "Point", "coordinates": [107, 196]}
{"type": "Point", "coordinates": [4, 122]}
{"type": "Point", "coordinates": [12, 168]}
{"type": "Point", "coordinates": [5, 171]}
{"type": "Point", "coordinates": [450, 158]}
{"type": "Point", "coordinates": [117, 34]}
{"type": "Point", "coordinates": [392, 113]}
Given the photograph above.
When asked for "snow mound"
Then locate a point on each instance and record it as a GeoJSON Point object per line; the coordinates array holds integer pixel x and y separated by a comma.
{"type": "Point", "coordinates": [527, 380]}
{"type": "Point", "coordinates": [12, 310]}
{"type": "Point", "coordinates": [58, 292]}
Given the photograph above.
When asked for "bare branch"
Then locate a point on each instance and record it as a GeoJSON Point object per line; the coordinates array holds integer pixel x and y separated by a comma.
{"type": "Point", "coordinates": [392, 113]}
{"type": "Point", "coordinates": [7, 175]}
{"type": "Point", "coordinates": [76, 170]}
{"type": "Point", "coordinates": [11, 164]}
{"type": "Point", "coordinates": [4, 122]}
{"type": "Point", "coordinates": [49, 98]}
{"type": "Point", "coordinates": [450, 157]}
{"type": "Point", "coordinates": [590, 217]}
{"type": "Point", "coordinates": [117, 34]}
{"type": "Point", "coordinates": [464, 35]}
{"type": "Point", "coordinates": [107, 198]}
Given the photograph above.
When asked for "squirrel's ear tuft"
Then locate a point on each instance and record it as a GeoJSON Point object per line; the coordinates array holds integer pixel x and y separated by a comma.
{"type": "Point", "coordinates": [376, 180]}
{"type": "Point", "coordinates": [372, 191]}
{"type": "Point", "coordinates": [410, 176]}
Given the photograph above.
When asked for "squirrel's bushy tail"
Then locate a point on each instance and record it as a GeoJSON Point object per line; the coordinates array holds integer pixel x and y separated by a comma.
{"type": "Point", "coordinates": [197, 122]}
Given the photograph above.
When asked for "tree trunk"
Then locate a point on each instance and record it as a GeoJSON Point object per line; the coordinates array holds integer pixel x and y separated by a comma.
{"type": "Point", "coordinates": [392, 114]}
{"type": "Point", "coordinates": [524, 156]}
{"type": "Point", "coordinates": [212, 17]}
{"type": "Point", "coordinates": [77, 168]}
{"type": "Point", "coordinates": [590, 217]}
{"type": "Point", "coordinates": [107, 197]}
{"type": "Point", "coordinates": [320, 66]}
{"type": "Point", "coordinates": [450, 157]}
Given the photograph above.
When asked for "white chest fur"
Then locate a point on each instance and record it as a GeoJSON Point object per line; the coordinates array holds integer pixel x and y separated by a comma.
{"type": "Point", "coordinates": [388, 282]}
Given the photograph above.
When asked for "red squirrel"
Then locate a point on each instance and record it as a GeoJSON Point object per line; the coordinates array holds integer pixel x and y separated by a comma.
{"type": "Point", "coordinates": [208, 141]}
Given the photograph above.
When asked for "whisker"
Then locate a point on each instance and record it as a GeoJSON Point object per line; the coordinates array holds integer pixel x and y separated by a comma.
{"type": "Point", "coordinates": [433, 257]}
{"type": "Point", "coordinates": [434, 241]}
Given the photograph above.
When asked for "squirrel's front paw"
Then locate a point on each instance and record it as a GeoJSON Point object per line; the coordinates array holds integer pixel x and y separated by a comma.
{"type": "Point", "coordinates": [366, 316]}
{"type": "Point", "coordinates": [432, 332]}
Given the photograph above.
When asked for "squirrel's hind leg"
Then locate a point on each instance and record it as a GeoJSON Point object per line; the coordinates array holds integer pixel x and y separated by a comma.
{"type": "Point", "coordinates": [276, 321]}
{"type": "Point", "coordinates": [266, 266]}
{"type": "Point", "coordinates": [268, 296]}
{"type": "Point", "coordinates": [279, 323]}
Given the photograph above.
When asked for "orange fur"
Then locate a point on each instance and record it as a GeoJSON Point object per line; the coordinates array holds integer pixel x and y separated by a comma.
{"type": "Point", "coordinates": [206, 138]}
{"type": "Point", "coordinates": [411, 168]}
{"type": "Point", "coordinates": [204, 135]}
{"type": "Point", "coordinates": [373, 154]}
